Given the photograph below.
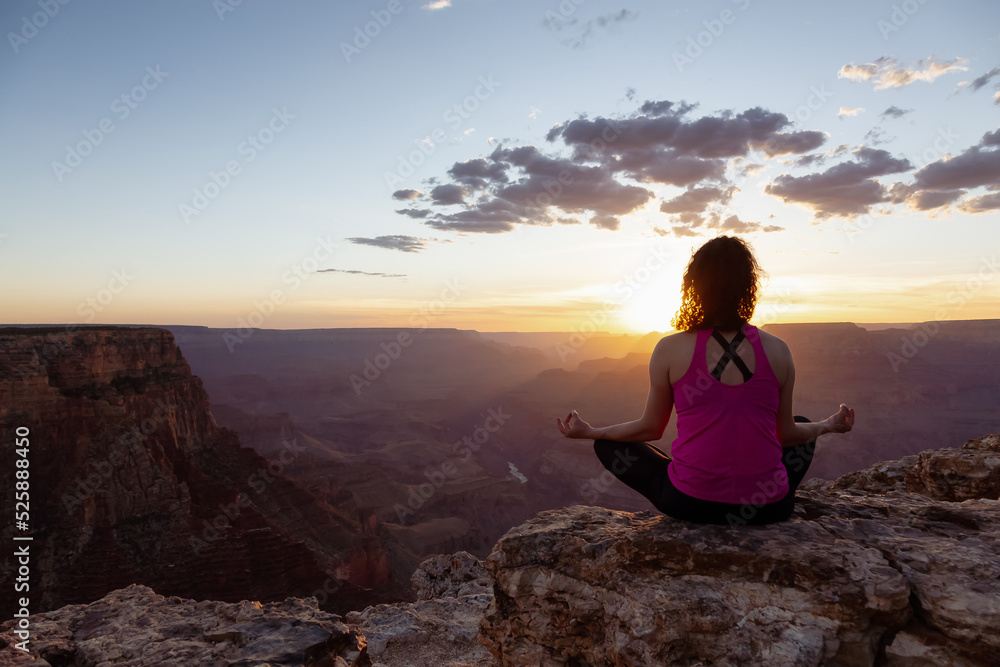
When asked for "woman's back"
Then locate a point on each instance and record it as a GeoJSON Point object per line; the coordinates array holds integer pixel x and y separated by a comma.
{"type": "Point", "coordinates": [681, 351]}
{"type": "Point", "coordinates": [727, 402]}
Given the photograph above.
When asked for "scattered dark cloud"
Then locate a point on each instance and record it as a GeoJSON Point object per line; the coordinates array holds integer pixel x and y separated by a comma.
{"type": "Point", "coordinates": [972, 168]}
{"type": "Point", "coordinates": [681, 231]}
{"type": "Point", "coordinates": [888, 72]}
{"type": "Point", "coordinates": [749, 169]}
{"type": "Point", "coordinates": [477, 173]}
{"type": "Point", "coordinates": [981, 81]}
{"type": "Point", "coordinates": [945, 181]}
{"type": "Point", "coordinates": [895, 112]}
{"type": "Point", "coordinates": [414, 212]}
{"type": "Point", "coordinates": [545, 185]}
{"type": "Point", "coordinates": [689, 224]}
{"type": "Point", "coordinates": [605, 221]}
{"type": "Point", "coordinates": [669, 135]}
{"type": "Point", "coordinates": [663, 107]}
{"type": "Point", "coordinates": [877, 136]}
{"type": "Point", "coordinates": [818, 159]}
{"type": "Point", "coordinates": [924, 200]}
{"type": "Point", "coordinates": [449, 193]}
{"type": "Point", "coordinates": [793, 143]}
{"type": "Point", "coordinates": [733, 224]}
{"type": "Point", "coordinates": [846, 189]}
{"type": "Point", "coordinates": [363, 273]}
{"type": "Point", "coordinates": [584, 31]}
{"type": "Point", "coordinates": [697, 200]}
{"type": "Point", "coordinates": [405, 195]}
{"type": "Point", "coordinates": [612, 164]}
{"type": "Point", "coordinates": [981, 204]}
{"type": "Point", "coordinates": [599, 169]}
{"type": "Point", "coordinates": [392, 242]}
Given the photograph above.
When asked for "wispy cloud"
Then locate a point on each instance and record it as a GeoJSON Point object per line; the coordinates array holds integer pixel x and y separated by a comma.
{"type": "Point", "coordinates": [436, 4]}
{"type": "Point", "coordinates": [849, 111]}
{"type": "Point", "coordinates": [895, 112]}
{"type": "Point", "coordinates": [586, 30]}
{"type": "Point", "coordinates": [981, 81]}
{"type": "Point", "coordinates": [392, 242]}
{"type": "Point", "coordinates": [363, 273]}
{"type": "Point", "coordinates": [888, 72]}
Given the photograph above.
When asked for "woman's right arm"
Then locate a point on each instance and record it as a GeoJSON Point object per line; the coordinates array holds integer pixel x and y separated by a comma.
{"type": "Point", "coordinates": [791, 432]}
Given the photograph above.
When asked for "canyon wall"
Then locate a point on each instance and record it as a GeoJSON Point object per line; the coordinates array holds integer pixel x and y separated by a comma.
{"type": "Point", "coordinates": [133, 481]}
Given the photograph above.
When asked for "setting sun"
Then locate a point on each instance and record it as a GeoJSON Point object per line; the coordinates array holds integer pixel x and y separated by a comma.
{"type": "Point", "coordinates": [652, 306]}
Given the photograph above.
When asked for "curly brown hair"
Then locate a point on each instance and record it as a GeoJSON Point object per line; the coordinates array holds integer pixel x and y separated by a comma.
{"type": "Point", "coordinates": [720, 286]}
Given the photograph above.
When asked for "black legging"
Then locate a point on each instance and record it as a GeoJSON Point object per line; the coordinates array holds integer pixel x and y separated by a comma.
{"type": "Point", "coordinates": [644, 468]}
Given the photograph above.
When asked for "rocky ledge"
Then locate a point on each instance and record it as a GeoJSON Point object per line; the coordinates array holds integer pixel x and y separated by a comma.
{"type": "Point", "coordinates": [875, 568]}
{"type": "Point", "coordinates": [898, 564]}
{"type": "Point", "coordinates": [136, 627]}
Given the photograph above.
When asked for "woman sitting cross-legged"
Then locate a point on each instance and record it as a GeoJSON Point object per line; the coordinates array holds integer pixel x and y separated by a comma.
{"type": "Point", "coordinates": [739, 454]}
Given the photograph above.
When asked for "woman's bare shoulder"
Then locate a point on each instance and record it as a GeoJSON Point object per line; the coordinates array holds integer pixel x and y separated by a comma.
{"type": "Point", "coordinates": [677, 340]}
{"type": "Point", "coordinates": [777, 351]}
{"type": "Point", "coordinates": [673, 353]}
{"type": "Point", "coordinates": [772, 340]}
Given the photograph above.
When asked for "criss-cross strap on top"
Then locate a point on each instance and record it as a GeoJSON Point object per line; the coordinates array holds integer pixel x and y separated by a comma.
{"type": "Point", "coordinates": [729, 354]}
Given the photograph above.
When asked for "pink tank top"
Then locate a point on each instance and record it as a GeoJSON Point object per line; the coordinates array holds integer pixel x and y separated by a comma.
{"type": "Point", "coordinates": [727, 447]}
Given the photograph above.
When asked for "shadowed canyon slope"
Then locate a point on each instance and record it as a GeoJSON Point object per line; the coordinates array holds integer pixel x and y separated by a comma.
{"type": "Point", "coordinates": [133, 481]}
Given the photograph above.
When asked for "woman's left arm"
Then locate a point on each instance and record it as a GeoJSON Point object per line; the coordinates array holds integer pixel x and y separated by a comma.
{"type": "Point", "coordinates": [659, 404]}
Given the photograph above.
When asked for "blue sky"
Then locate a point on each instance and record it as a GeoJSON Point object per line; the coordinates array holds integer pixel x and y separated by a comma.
{"type": "Point", "coordinates": [310, 119]}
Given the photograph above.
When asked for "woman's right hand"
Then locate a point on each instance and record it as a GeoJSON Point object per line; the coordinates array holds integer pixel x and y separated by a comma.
{"type": "Point", "coordinates": [574, 427]}
{"type": "Point", "coordinates": [843, 421]}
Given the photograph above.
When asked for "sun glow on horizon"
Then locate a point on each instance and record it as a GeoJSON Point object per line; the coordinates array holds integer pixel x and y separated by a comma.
{"type": "Point", "coordinates": [651, 307]}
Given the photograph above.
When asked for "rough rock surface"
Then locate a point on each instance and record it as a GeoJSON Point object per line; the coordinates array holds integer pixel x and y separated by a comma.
{"type": "Point", "coordinates": [906, 577]}
{"type": "Point", "coordinates": [973, 471]}
{"type": "Point", "coordinates": [441, 629]}
{"type": "Point", "coordinates": [135, 627]}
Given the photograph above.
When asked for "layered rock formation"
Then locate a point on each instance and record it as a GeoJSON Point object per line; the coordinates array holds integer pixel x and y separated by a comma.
{"type": "Point", "coordinates": [861, 574]}
{"type": "Point", "coordinates": [132, 481]}
{"type": "Point", "coordinates": [135, 627]}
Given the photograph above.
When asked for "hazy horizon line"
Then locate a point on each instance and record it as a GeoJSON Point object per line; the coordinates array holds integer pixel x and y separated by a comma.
{"type": "Point", "coordinates": [870, 326]}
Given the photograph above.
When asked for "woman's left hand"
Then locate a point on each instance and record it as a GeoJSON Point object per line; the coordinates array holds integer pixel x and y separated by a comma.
{"type": "Point", "coordinates": [574, 427]}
